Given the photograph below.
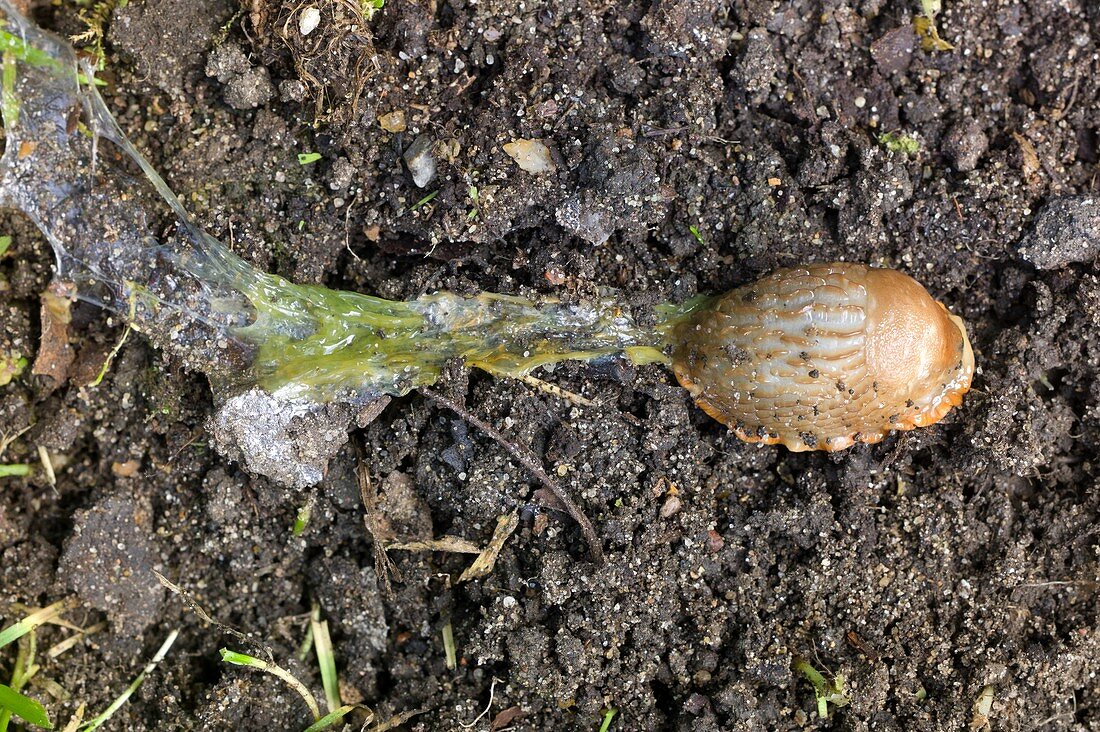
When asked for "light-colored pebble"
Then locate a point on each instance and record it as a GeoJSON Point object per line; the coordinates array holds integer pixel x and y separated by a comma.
{"type": "Point", "coordinates": [309, 20]}
{"type": "Point", "coordinates": [531, 155]}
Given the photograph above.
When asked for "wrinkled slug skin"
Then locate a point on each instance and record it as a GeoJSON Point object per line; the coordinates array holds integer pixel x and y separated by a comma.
{"type": "Point", "coordinates": [823, 356]}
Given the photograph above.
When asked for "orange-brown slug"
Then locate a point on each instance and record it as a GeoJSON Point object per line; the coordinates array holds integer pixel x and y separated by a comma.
{"type": "Point", "coordinates": [823, 356]}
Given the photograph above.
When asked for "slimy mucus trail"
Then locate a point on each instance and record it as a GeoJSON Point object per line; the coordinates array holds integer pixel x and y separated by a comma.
{"type": "Point", "coordinates": [124, 239]}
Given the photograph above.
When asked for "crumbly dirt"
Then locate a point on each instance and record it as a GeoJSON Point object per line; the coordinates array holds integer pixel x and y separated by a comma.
{"type": "Point", "coordinates": [922, 569]}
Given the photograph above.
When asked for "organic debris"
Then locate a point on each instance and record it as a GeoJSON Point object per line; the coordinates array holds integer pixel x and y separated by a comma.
{"type": "Point", "coordinates": [826, 691]}
{"type": "Point", "coordinates": [55, 353]}
{"type": "Point", "coordinates": [925, 27]}
{"type": "Point", "coordinates": [483, 565]}
{"type": "Point", "coordinates": [331, 49]}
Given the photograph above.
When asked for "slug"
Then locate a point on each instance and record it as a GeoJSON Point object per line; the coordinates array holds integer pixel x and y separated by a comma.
{"type": "Point", "coordinates": [823, 356]}
{"type": "Point", "coordinates": [814, 357]}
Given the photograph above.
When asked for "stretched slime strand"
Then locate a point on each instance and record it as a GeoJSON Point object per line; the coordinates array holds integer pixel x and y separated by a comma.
{"type": "Point", "coordinates": [190, 294]}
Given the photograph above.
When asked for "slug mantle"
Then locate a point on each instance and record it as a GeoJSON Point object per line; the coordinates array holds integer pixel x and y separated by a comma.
{"type": "Point", "coordinates": [824, 356]}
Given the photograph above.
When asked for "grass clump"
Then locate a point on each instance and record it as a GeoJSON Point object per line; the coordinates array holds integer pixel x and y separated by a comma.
{"type": "Point", "coordinates": [15, 703]}
{"type": "Point", "coordinates": [12, 701]}
{"type": "Point", "coordinates": [317, 637]}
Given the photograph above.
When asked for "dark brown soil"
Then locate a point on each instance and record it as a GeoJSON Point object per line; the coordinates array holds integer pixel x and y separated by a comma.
{"type": "Point", "coordinates": [922, 569]}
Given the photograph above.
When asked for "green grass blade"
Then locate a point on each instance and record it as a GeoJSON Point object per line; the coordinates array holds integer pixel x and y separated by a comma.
{"type": "Point", "coordinates": [326, 659]}
{"type": "Point", "coordinates": [125, 696]}
{"type": "Point", "coordinates": [330, 719]}
{"type": "Point", "coordinates": [23, 706]}
{"type": "Point", "coordinates": [32, 621]}
{"type": "Point", "coordinates": [302, 519]}
{"type": "Point", "coordinates": [16, 46]}
{"type": "Point", "coordinates": [12, 470]}
{"type": "Point", "coordinates": [449, 649]}
{"type": "Point", "coordinates": [8, 101]}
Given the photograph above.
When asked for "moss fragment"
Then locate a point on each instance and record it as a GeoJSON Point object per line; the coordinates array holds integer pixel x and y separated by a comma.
{"type": "Point", "coordinates": [899, 142]}
{"type": "Point", "coordinates": [12, 365]}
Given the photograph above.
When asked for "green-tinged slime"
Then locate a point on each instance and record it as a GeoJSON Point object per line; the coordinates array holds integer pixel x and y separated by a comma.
{"type": "Point", "coordinates": [347, 338]}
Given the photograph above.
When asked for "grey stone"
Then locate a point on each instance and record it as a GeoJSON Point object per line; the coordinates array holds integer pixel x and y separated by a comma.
{"type": "Point", "coordinates": [420, 160]}
{"type": "Point", "coordinates": [1066, 230]}
{"type": "Point", "coordinates": [965, 143]}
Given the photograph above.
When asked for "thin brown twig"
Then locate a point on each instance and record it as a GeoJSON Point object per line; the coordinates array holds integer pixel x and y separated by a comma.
{"type": "Point", "coordinates": [194, 606]}
{"type": "Point", "coordinates": [527, 458]}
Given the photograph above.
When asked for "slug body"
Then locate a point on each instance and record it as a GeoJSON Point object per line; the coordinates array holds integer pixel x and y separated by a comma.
{"type": "Point", "coordinates": [816, 357]}
{"type": "Point", "coordinates": [823, 356]}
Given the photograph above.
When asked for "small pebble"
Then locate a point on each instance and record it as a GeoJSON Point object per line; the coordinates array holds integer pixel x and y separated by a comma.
{"type": "Point", "coordinates": [671, 507]}
{"type": "Point", "coordinates": [393, 121]}
{"type": "Point", "coordinates": [965, 144]}
{"type": "Point", "coordinates": [309, 20]}
{"type": "Point", "coordinates": [127, 469]}
{"type": "Point", "coordinates": [531, 155]}
{"type": "Point", "coordinates": [541, 522]}
{"type": "Point", "coordinates": [420, 160]}
{"type": "Point", "coordinates": [341, 175]}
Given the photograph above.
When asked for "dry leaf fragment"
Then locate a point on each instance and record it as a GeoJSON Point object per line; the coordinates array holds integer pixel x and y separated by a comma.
{"type": "Point", "coordinates": [55, 355]}
{"type": "Point", "coordinates": [483, 565]}
{"type": "Point", "coordinates": [455, 544]}
{"type": "Point", "coordinates": [505, 718]}
{"type": "Point", "coordinates": [925, 26]}
{"type": "Point", "coordinates": [1031, 164]}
